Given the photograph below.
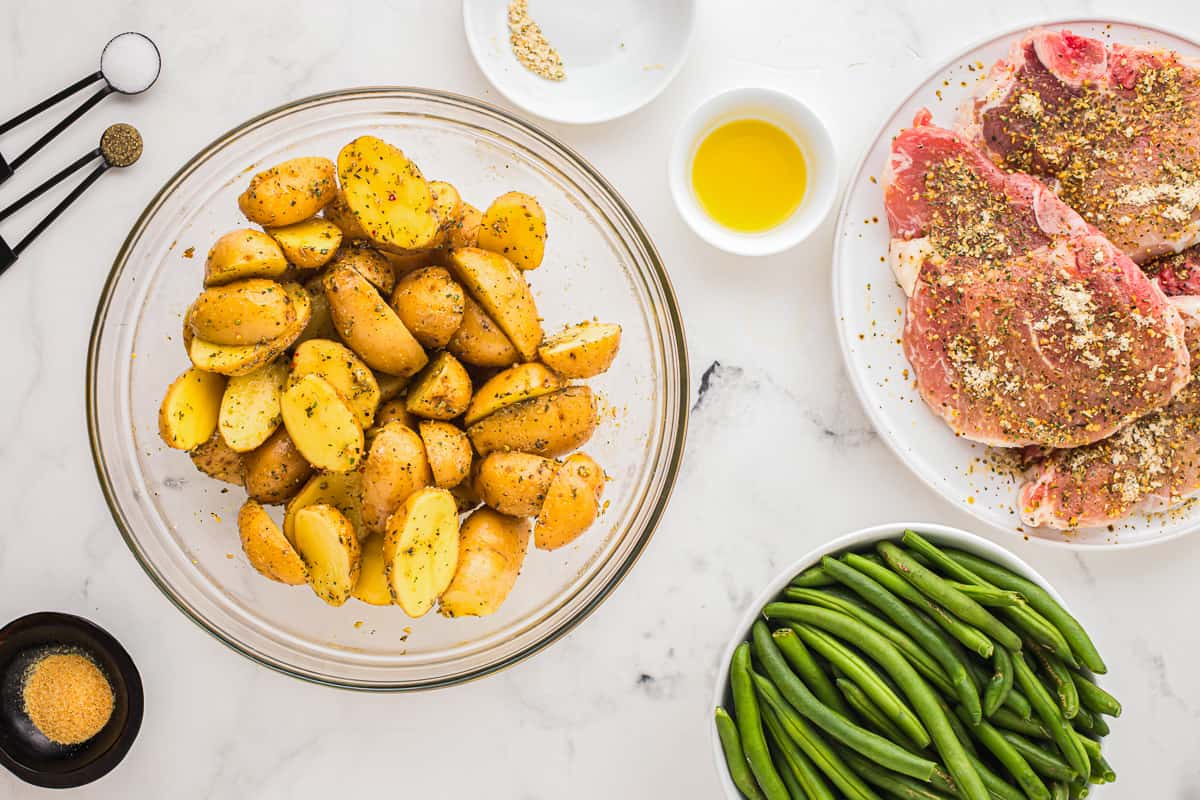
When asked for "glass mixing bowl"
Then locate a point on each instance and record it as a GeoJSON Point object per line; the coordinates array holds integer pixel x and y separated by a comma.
{"type": "Point", "coordinates": [181, 525]}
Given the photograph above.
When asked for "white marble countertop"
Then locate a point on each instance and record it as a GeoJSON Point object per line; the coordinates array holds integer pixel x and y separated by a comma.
{"type": "Point", "coordinates": [779, 459]}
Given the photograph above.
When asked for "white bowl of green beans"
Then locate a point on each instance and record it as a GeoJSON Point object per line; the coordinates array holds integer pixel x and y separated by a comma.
{"type": "Point", "coordinates": [912, 661]}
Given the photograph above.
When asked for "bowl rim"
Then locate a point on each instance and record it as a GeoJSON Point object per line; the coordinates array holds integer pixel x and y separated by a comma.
{"type": "Point", "coordinates": [674, 331]}
{"type": "Point", "coordinates": [935, 532]}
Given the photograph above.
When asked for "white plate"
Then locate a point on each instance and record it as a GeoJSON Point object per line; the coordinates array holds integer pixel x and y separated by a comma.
{"type": "Point", "coordinates": [618, 54]}
{"type": "Point", "coordinates": [868, 304]}
{"type": "Point", "coordinates": [938, 534]}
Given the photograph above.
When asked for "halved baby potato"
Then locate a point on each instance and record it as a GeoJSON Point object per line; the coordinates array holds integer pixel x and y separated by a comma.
{"type": "Point", "coordinates": [491, 550]}
{"type": "Point", "coordinates": [479, 340]}
{"type": "Point", "coordinates": [250, 410]}
{"type": "Point", "coordinates": [500, 288]}
{"type": "Point", "coordinates": [420, 549]}
{"type": "Point", "coordinates": [310, 244]}
{"type": "Point", "coordinates": [241, 254]}
{"type": "Point", "coordinates": [266, 548]}
{"type": "Point", "coordinates": [394, 410]}
{"type": "Point", "coordinates": [440, 391]}
{"type": "Point", "coordinates": [191, 409]}
{"type": "Point", "coordinates": [582, 351]}
{"type": "Point", "coordinates": [338, 212]}
{"type": "Point", "coordinates": [511, 386]}
{"type": "Point", "coordinates": [390, 386]}
{"type": "Point", "coordinates": [249, 311]}
{"type": "Point", "coordinates": [430, 304]}
{"type": "Point", "coordinates": [550, 425]}
{"type": "Point", "coordinates": [320, 321]}
{"type": "Point", "coordinates": [572, 503]}
{"type": "Point", "coordinates": [322, 424]}
{"type": "Point", "coordinates": [242, 359]}
{"type": "Point", "coordinates": [448, 451]}
{"type": "Point", "coordinates": [396, 466]}
{"type": "Point", "coordinates": [327, 543]}
{"type": "Point", "coordinates": [515, 483]}
{"type": "Point", "coordinates": [372, 585]}
{"type": "Point", "coordinates": [369, 325]}
{"type": "Point", "coordinates": [344, 371]}
{"type": "Point", "coordinates": [342, 490]}
{"type": "Point", "coordinates": [370, 263]}
{"type": "Point", "coordinates": [290, 192]}
{"type": "Point", "coordinates": [387, 194]}
{"type": "Point", "coordinates": [514, 226]}
{"type": "Point", "coordinates": [448, 206]}
{"type": "Point", "coordinates": [466, 232]}
{"type": "Point", "coordinates": [275, 470]}
{"type": "Point", "coordinates": [218, 460]}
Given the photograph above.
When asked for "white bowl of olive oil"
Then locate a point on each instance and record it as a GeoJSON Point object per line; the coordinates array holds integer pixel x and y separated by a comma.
{"type": "Point", "coordinates": [753, 171]}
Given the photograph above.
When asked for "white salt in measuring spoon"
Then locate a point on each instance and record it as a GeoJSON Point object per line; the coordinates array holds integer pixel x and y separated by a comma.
{"type": "Point", "coordinates": [129, 64]}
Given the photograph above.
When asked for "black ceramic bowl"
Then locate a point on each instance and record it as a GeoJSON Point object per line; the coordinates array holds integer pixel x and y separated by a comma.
{"type": "Point", "coordinates": [23, 749]}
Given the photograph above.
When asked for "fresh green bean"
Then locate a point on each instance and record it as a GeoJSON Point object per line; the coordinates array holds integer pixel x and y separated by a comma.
{"type": "Point", "coordinates": [1079, 790]}
{"type": "Point", "coordinates": [1094, 698]}
{"type": "Point", "coordinates": [1000, 683]}
{"type": "Point", "coordinates": [871, 745]}
{"type": "Point", "coordinates": [1085, 722]}
{"type": "Point", "coordinates": [922, 661]}
{"type": "Point", "coordinates": [1041, 630]}
{"type": "Point", "coordinates": [1041, 601]}
{"type": "Point", "coordinates": [924, 636]}
{"type": "Point", "coordinates": [804, 665]}
{"type": "Point", "coordinates": [939, 590]}
{"type": "Point", "coordinates": [1014, 700]}
{"type": "Point", "coordinates": [812, 578]}
{"type": "Point", "coordinates": [914, 687]}
{"type": "Point", "coordinates": [749, 722]}
{"type": "Point", "coordinates": [899, 785]}
{"type": "Point", "coordinates": [1043, 761]}
{"type": "Point", "coordinates": [1009, 758]}
{"type": "Point", "coordinates": [1057, 678]}
{"type": "Point", "coordinates": [810, 742]}
{"type": "Point", "coordinates": [1047, 710]}
{"type": "Point", "coordinates": [865, 677]}
{"type": "Point", "coordinates": [989, 595]}
{"type": "Point", "coordinates": [789, 778]}
{"type": "Point", "coordinates": [1101, 771]}
{"type": "Point", "coordinates": [960, 730]}
{"type": "Point", "coordinates": [972, 639]}
{"type": "Point", "coordinates": [997, 787]}
{"type": "Point", "coordinates": [803, 771]}
{"type": "Point", "coordinates": [858, 700]}
{"type": "Point", "coordinates": [1010, 721]}
{"type": "Point", "coordinates": [1059, 791]}
{"type": "Point", "coordinates": [735, 757]}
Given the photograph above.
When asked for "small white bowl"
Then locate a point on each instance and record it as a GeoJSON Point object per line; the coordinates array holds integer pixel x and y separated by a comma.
{"type": "Point", "coordinates": [938, 534]}
{"type": "Point", "coordinates": [618, 54]}
{"type": "Point", "coordinates": [791, 115]}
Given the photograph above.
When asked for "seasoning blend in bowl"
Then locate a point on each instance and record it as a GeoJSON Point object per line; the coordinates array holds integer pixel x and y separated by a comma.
{"type": "Point", "coordinates": [753, 171]}
{"type": "Point", "coordinates": [67, 697]}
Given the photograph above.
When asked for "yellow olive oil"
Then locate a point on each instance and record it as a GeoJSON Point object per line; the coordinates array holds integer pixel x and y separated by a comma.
{"type": "Point", "coordinates": [749, 175]}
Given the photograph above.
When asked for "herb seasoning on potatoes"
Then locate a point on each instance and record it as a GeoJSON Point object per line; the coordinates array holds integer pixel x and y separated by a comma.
{"type": "Point", "coordinates": [373, 360]}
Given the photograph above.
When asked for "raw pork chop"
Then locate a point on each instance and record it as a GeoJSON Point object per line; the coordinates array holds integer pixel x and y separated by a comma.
{"type": "Point", "coordinates": [1114, 130]}
{"type": "Point", "coordinates": [1178, 273]}
{"type": "Point", "coordinates": [1150, 465]}
{"type": "Point", "coordinates": [1025, 326]}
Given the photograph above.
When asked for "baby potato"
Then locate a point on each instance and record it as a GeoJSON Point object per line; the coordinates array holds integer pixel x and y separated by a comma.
{"type": "Point", "coordinates": [369, 325]}
{"type": "Point", "coordinates": [370, 263]}
{"type": "Point", "coordinates": [342, 490]}
{"type": "Point", "coordinates": [242, 254]}
{"type": "Point", "coordinates": [302, 303]}
{"type": "Point", "coordinates": [310, 244]}
{"type": "Point", "coordinates": [501, 290]}
{"type": "Point", "coordinates": [572, 503]}
{"type": "Point", "coordinates": [550, 425]}
{"type": "Point", "coordinates": [387, 194]}
{"type": "Point", "coordinates": [490, 553]}
{"type": "Point", "coordinates": [466, 232]}
{"type": "Point", "coordinates": [218, 460]}
{"type": "Point", "coordinates": [275, 470]}
{"type": "Point", "coordinates": [344, 371]}
{"type": "Point", "coordinates": [242, 359]}
{"type": "Point", "coordinates": [479, 340]}
{"type": "Point", "coordinates": [190, 409]}
{"type": "Point", "coordinates": [515, 227]}
{"type": "Point", "coordinates": [465, 497]}
{"type": "Point", "coordinates": [372, 586]}
{"type": "Point", "coordinates": [290, 192]}
{"type": "Point", "coordinates": [320, 321]}
{"type": "Point", "coordinates": [390, 386]}
{"type": "Point", "coordinates": [420, 549]}
{"type": "Point", "coordinates": [394, 410]}
{"type": "Point", "coordinates": [396, 467]}
{"type": "Point", "coordinates": [322, 424]}
{"type": "Point", "coordinates": [326, 542]}
{"type": "Point", "coordinates": [404, 263]}
{"type": "Point", "coordinates": [430, 304]}
{"type": "Point", "coordinates": [509, 387]}
{"type": "Point", "coordinates": [441, 391]}
{"type": "Point", "coordinates": [251, 311]}
{"type": "Point", "coordinates": [448, 451]}
{"type": "Point", "coordinates": [448, 206]}
{"type": "Point", "coordinates": [582, 351]}
{"type": "Point", "coordinates": [515, 483]}
{"type": "Point", "coordinates": [266, 548]}
{"type": "Point", "coordinates": [250, 407]}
